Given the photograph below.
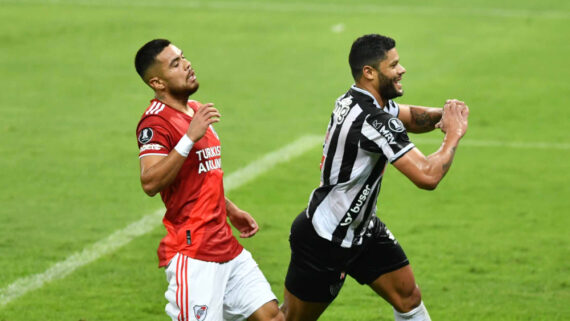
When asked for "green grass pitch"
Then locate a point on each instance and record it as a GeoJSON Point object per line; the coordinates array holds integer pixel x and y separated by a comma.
{"type": "Point", "coordinates": [491, 243]}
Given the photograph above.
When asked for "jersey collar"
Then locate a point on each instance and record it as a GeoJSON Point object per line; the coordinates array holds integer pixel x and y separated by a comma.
{"type": "Point", "coordinates": [367, 93]}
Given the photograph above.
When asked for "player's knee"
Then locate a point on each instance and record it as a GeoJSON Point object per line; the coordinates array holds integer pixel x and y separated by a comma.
{"type": "Point", "coordinates": [279, 316]}
{"type": "Point", "coordinates": [409, 300]}
{"type": "Point", "coordinates": [275, 314]}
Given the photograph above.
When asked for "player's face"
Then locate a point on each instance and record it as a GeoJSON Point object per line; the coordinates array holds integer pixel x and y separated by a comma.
{"type": "Point", "coordinates": [176, 71]}
{"type": "Point", "coordinates": [390, 75]}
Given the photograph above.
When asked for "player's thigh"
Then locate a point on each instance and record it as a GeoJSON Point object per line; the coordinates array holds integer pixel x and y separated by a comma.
{"type": "Point", "coordinates": [195, 289]}
{"type": "Point", "coordinates": [247, 290]}
{"type": "Point", "coordinates": [398, 288]}
{"type": "Point", "coordinates": [316, 271]}
{"type": "Point", "coordinates": [296, 309]}
{"type": "Point", "coordinates": [383, 265]}
{"type": "Point", "coordinates": [380, 253]}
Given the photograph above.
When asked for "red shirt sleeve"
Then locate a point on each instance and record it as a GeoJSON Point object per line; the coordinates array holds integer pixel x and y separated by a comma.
{"type": "Point", "coordinates": [153, 137]}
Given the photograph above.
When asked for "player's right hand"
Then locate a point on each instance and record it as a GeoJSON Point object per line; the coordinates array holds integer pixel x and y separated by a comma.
{"type": "Point", "coordinates": [203, 118]}
{"type": "Point", "coordinates": [454, 119]}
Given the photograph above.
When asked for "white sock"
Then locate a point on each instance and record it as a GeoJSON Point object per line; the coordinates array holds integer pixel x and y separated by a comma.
{"type": "Point", "coordinates": [419, 313]}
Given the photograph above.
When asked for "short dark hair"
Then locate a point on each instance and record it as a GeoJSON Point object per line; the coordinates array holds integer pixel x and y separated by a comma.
{"type": "Point", "coordinates": [147, 53]}
{"type": "Point", "coordinates": [368, 50]}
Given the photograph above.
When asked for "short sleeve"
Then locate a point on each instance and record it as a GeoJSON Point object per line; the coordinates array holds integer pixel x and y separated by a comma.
{"type": "Point", "coordinates": [153, 137]}
{"type": "Point", "coordinates": [385, 133]}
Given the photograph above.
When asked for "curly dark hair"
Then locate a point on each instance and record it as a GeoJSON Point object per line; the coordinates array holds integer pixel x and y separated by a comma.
{"type": "Point", "coordinates": [368, 50]}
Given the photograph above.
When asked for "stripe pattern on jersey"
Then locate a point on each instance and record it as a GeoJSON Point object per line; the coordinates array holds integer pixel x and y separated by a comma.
{"type": "Point", "coordinates": [357, 148]}
{"type": "Point", "coordinates": [155, 108]}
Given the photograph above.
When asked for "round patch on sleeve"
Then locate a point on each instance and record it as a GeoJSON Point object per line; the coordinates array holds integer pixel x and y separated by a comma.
{"type": "Point", "coordinates": [145, 135]}
{"type": "Point", "coordinates": [396, 125]}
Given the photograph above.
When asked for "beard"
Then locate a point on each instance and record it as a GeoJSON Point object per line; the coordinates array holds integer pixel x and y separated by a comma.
{"type": "Point", "coordinates": [193, 89]}
{"type": "Point", "coordinates": [387, 88]}
{"type": "Point", "coordinates": [184, 91]}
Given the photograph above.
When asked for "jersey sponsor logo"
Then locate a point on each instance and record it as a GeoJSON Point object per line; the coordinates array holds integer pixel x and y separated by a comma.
{"type": "Point", "coordinates": [145, 135]}
{"type": "Point", "coordinates": [209, 165]}
{"type": "Point", "coordinates": [396, 125]}
{"type": "Point", "coordinates": [209, 152]}
{"type": "Point", "coordinates": [151, 147]}
{"type": "Point", "coordinates": [388, 135]}
{"type": "Point", "coordinates": [341, 109]}
{"type": "Point", "coordinates": [200, 312]}
{"type": "Point", "coordinates": [209, 159]}
{"type": "Point", "coordinates": [355, 210]}
{"type": "Point", "coordinates": [376, 124]}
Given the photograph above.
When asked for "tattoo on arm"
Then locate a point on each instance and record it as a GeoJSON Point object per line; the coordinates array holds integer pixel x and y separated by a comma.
{"type": "Point", "coordinates": [423, 119]}
{"type": "Point", "coordinates": [447, 165]}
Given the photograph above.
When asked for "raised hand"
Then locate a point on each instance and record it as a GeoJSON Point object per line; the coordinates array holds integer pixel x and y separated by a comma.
{"type": "Point", "coordinates": [203, 118]}
{"type": "Point", "coordinates": [454, 120]}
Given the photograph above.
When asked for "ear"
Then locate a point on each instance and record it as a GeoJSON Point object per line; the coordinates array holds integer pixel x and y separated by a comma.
{"type": "Point", "coordinates": [369, 72]}
{"type": "Point", "coordinates": [156, 83]}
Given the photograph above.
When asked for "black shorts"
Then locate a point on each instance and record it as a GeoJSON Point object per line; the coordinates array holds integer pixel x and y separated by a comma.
{"type": "Point", "coordinates": [318, 267]}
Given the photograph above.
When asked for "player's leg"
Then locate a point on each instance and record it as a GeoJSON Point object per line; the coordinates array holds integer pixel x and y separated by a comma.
{"type": "Point", "coordinates": [400, 290]}
{"type": "Point", "coordinates": [315, 274]}
{"type": "Point", "coordinates": [296, 309]}
{"type": "Point", "coordinates": [248, 294]}
{"type": "Point", "coordinates": [383, 265]}
{"type": "Point", "coordinates": [194, 289]}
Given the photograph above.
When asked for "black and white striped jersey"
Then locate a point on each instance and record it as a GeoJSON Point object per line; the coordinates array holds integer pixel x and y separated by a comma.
{"type": "Point", "coordinates": [362, 137]}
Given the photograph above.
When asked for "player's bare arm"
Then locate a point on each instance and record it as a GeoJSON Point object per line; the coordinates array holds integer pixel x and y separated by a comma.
{"type": "Point", "coordinates": [157, 172]}
{"type": "Point", "coordinates": [427, 172]}
{"type": "Point", "coordinates": [241, 220]}
{"type": "Point", "coordinates": [419, 119]}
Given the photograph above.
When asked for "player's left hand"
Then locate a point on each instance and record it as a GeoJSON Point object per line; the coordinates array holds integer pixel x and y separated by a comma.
{"type": "Point", "coordinates": [461, 105]}
{"type": "Point", "coordinates": [243, 222]}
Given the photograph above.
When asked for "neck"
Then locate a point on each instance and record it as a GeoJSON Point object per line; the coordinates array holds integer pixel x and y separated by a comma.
{"type": "Point", "coordinates": [179, 102]}
{"type": "Point", "coordinates": [368, 86]}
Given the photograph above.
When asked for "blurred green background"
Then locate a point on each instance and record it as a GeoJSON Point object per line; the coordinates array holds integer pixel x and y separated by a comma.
{"type": "Point", "coordinates": [491, 243]}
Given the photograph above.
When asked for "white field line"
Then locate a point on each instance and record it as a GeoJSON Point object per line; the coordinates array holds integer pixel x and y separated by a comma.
{"type": "Point", "coordinates": [122, 237]}
{"type": "Point", "coordinates": [506, 144]}
{"type": "Point", "coordinates": [318, 8]}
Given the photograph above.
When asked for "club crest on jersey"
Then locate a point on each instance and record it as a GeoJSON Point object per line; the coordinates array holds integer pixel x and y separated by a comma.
{"type": "Point", "coordinates": [200, 312]}
{"type": "Point", "coordinates": [336, 286]}
{"type": "Point", "coordinates": [145, 135]}
{"type": "Point", "coordinates": [396, 125]}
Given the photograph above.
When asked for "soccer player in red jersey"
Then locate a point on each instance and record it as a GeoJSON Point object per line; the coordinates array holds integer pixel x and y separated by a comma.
{"type": "Point", "coordinates": [210, 275]}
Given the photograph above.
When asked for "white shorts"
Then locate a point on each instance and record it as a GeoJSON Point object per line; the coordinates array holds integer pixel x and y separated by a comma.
{"type": "Point", "coordinates": [200, 290]}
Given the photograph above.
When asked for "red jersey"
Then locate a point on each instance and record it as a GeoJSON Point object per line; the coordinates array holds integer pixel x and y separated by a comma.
{"type": "Point", "coordinates": [195, 219]}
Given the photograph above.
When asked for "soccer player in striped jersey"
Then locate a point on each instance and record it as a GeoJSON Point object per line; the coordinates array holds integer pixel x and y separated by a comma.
{"type": "Point", "coordinates": [339, 234]}
{"type": "Point", "coordinates": [210, 275]}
